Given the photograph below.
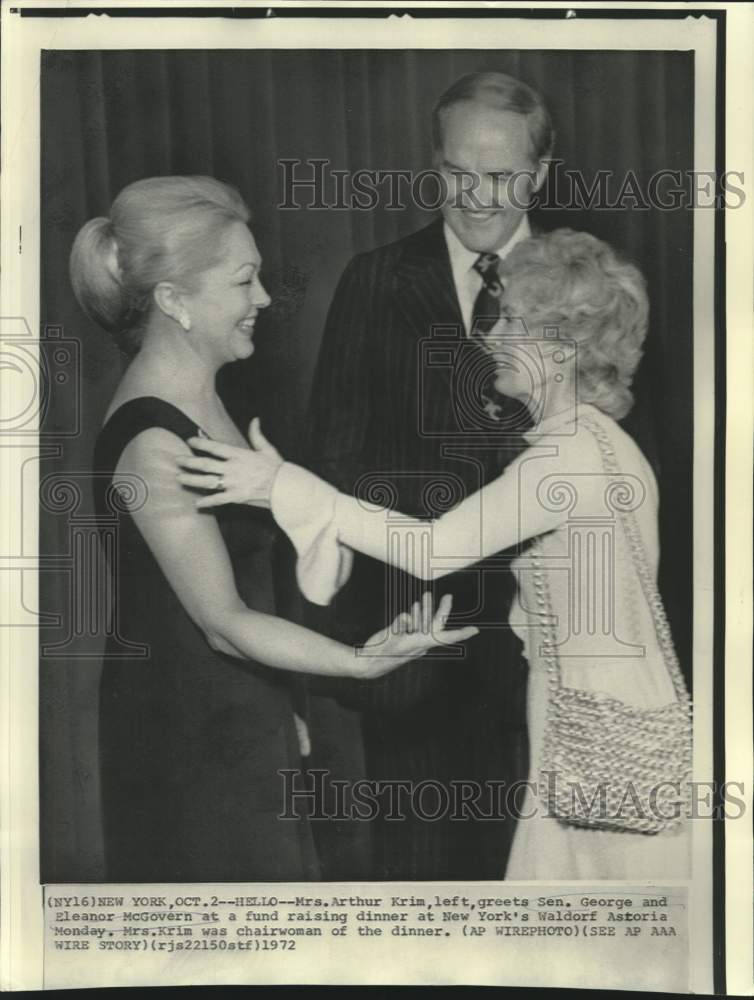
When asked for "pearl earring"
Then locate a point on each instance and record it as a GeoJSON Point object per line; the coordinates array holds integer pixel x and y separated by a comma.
{"type": "Point", "coordinates": [185, 323]}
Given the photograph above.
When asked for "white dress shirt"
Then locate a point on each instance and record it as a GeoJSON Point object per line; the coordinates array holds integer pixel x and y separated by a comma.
{"type": "Point", "coordinates": [466, 279]}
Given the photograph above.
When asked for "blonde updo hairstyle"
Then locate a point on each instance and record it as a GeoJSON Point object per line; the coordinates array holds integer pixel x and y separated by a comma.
{"type": "Point", "coordinates": [159, 229]}
{"type": "Point", "coordinates": [578, 284]}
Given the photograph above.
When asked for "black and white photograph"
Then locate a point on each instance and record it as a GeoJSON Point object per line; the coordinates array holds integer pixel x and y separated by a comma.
{"type": "Point", "coordinates": [380, 462]}
{"type": "Point", "coordinates": [345, 334]}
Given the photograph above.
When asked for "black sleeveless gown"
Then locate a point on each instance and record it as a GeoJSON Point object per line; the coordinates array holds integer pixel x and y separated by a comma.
{"type": "Point", "coordinates": [191, 740]}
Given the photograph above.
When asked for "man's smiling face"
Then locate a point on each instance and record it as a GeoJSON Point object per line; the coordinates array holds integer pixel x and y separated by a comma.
{"type": "Point", "coordinates": [490, 173]}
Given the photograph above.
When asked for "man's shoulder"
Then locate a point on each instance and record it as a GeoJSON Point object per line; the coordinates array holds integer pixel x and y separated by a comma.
{"type": "Point", "coordinates": [425, 243]}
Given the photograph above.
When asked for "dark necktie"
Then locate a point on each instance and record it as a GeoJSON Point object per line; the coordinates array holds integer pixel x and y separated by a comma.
{"type": "Point", "coordinates": [487, 304]}
{"type": "Point", "coordinates": [486, 313]}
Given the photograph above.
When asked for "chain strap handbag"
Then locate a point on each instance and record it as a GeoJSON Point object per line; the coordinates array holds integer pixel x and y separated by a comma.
{"type": "Point", "coordinates": [615, 766]}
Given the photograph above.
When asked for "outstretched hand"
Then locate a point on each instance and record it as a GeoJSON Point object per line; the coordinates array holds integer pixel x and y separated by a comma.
{"type": "Point", "coordinates": [412, 634]}
{"type": "Point", "coordinates": [231, 474]}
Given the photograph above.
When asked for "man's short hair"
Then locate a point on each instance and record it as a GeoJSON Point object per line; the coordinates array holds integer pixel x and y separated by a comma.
{"type": "Point", "coordinates": [504, 93]}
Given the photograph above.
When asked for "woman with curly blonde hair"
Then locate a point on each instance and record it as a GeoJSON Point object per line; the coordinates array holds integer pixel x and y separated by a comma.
{"type": "Point", "coordinates": [579, 508]}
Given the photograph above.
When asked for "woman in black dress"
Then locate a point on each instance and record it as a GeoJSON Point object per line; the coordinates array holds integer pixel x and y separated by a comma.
{"type": "Point", "coordinates": [194, 731]}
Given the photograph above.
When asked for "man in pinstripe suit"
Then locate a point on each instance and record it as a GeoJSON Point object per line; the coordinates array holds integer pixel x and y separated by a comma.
{"type": "Point", "coordinates": [399, 412]}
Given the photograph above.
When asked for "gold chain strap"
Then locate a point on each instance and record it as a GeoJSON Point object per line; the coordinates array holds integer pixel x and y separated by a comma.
{"type": "Point", "coordinates": [641, 564]}
{"type": "Point", "coordinates": [603, 743]}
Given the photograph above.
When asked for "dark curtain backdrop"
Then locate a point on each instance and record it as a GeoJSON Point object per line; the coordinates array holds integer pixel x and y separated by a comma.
{"type": "Point", "coordinates": [109, 118]}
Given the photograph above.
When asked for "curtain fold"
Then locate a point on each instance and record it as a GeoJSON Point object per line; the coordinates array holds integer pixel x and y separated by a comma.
{"type": "Point", "coordinates": [109, 118]}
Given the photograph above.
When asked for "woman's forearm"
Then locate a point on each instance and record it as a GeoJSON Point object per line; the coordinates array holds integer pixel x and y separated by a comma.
{"type": "Point", "coordinates": [279, 643]}
{"type": "Point", "coordinates": [317, 517]}
{"type": "Point", "coordinates": [426, 549]}
{"type": "Point", "coordinates": [401, 541]}
{"type": "Point", "coordinates": [241, 632]}
{"type": "Point", "coordinates": [171, 527]}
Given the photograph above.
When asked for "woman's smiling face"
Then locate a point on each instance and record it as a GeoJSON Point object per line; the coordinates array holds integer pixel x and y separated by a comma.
{"type": "Point", "coordinates": [227, 297]}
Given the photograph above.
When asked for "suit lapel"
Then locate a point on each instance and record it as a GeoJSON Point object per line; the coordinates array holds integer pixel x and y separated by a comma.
{"type": "Point", "coordinates": [427, 309]}
{"type": "Point", "coordinates": [427, 305]}
{"type": "Point", "coordinates": [424, 291]}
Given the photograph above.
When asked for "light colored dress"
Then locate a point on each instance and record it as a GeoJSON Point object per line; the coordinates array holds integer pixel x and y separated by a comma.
{"type": "Point", "coordinates": [557, 492]}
